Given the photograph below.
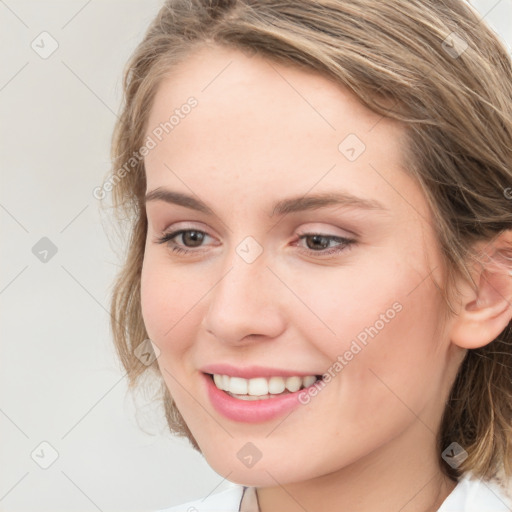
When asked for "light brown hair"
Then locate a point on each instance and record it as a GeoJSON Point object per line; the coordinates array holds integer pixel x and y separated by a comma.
{"type": "Point", "coordinates": [436, 67]}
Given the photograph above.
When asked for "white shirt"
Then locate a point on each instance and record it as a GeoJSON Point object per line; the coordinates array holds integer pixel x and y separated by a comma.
{"type": "Point", "coordinates": [469, 495]}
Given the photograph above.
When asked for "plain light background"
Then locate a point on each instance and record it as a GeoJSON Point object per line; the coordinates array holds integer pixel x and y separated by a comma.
{"type": "Point", "coordinates": [60, 382]}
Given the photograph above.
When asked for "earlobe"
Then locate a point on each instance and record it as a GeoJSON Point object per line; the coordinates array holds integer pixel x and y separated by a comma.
{"type": "Point", "coordinates": [485, 312]}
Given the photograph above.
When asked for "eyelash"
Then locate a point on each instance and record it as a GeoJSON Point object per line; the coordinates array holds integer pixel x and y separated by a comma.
{"type": "Point", "coordinates": [344, 245]}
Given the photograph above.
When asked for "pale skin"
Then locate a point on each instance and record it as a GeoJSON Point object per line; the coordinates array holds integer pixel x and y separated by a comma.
{"type": "Point", "coordinates": [367, 441]}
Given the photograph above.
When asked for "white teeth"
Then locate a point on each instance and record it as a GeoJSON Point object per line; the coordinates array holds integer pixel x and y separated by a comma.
{"type": "Point", "coordinates": [261, 387]}
{"type": "Point", "coordinates": [293, 383]}
{"type": "Point", "coordinates": [238, 386]}
{"type": "Point", "coordinates": [276, 385]}
{"type": "Point", "coordinates": [257, 387]}
{"type": "Point", "coordinates": [219, 381]}
{"type": "Point", "coordinates": [307, 381]}
{"type": "Point", "coordinates": [249, 397]}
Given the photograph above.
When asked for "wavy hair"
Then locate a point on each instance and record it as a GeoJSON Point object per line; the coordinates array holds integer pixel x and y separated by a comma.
{"type": "Point", "coordinates": [436, 67]}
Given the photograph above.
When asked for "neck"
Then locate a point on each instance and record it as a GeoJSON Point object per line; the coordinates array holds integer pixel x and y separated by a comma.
{"type": "Point", "coordinates": [396, 477]}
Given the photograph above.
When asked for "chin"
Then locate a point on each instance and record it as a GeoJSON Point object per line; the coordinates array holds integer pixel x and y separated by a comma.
{"type": "Point", "coordinates": [263, 473]}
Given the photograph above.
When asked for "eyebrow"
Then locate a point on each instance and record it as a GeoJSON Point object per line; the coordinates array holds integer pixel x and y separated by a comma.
{"type": "Point", "coordinates": [282, 207]}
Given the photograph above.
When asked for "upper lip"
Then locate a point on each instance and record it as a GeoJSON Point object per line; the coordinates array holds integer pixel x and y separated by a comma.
{"type": "Point", "coordinates": [250, 372]}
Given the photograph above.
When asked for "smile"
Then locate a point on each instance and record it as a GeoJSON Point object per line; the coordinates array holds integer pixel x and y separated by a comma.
{"type": "Point", "coordinates": [256, 399]}
{"type": "Point", "coordinates": [261, 388]}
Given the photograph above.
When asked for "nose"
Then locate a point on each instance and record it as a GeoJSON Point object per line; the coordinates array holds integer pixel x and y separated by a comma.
{"type": "Point", "coordinates": [246, 304]}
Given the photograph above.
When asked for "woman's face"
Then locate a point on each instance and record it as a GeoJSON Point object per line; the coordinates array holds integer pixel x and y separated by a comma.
{"type": "Point", "coordinates": [262, 156]}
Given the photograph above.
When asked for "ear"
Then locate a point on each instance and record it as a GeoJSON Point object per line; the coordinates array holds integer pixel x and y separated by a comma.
{"type": "Point", "coordinates": [485, 312]}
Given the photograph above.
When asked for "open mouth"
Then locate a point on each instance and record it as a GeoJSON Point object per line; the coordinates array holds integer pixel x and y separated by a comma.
{"type": "Point", "coordinates": [262, 388]}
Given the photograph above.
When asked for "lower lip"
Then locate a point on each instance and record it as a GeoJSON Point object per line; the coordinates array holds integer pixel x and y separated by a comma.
{"type": "Point", "coordinates": [250, 411]}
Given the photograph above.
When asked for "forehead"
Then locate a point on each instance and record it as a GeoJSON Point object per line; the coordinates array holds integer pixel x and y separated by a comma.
{"type": "Point", "coordinates": [253, 91]}
{"type": "Point", "coordinates": [258, 122]}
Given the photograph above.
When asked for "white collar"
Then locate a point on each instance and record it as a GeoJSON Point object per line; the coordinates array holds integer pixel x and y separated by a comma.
{"type": "Point", "coordinates": [469, 495]}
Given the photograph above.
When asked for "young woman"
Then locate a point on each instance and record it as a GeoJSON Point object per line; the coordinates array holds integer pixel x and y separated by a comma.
{"type": "Point", "coordinates": [320, 199]}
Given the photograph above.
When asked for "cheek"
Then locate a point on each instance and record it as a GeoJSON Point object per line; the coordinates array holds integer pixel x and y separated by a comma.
{"type": "Point", "coordinates": [399, 357]}
{"type": "Point", "coordinates": [165, 301]}
{"type": "Point", "coordinates": [384, 318]}
{"type": "Point", "coordinates": [167, 304]}
{"type": "Point", "coordinates": [354, 301]}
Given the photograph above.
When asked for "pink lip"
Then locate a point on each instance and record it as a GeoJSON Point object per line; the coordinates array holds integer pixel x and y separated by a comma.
{"type": "Point", "coordinates": [254, 411]}
{"type": "Point", "coordinates": [250, 372]}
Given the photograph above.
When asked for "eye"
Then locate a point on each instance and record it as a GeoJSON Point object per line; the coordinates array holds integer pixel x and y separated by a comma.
{"type": "Point", "coordinates": [320, 243]}
{"type": "Point", "coordinates": [193, 236]}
